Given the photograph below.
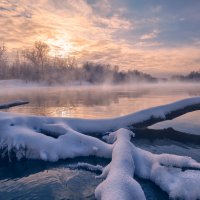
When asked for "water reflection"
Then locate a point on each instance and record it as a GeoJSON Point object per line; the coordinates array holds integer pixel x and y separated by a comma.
{"type": "Point", "coordinates": [95, 102]}
{"type": "Point", "coordinates": [188, 123]}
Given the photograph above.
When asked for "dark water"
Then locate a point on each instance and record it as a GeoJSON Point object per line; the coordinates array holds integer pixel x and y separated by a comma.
{"type": "Point", "coordinates": [39, 180]}
{"type": "Point", "coordinates": [43, 180]}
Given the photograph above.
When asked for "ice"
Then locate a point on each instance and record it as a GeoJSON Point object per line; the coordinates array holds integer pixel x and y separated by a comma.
{"type": "Point", "coordinates": [82, 165]}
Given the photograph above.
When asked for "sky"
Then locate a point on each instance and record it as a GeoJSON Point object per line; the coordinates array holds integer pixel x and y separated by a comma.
{"type": "Point", "coordinates": [160, 37]}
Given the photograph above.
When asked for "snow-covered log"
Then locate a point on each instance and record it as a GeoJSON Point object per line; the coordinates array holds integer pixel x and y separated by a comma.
{"type": "Point", "coordinates": [165, 170]}
{"type": "Point", "coordinates": [168, 133]}
{"type": "Point", "coordinates": [101, 126]}
{"type": "Point", "coordinates": [26, 142]}
{"type": "Point", "coordinates": [142, 118]}
{"type": "Point", "coordinates": [119, 182]}
{"type": "Point", "coordinates": [12, 104]}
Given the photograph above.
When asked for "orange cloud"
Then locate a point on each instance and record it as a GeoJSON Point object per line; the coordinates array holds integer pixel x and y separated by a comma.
{"type": "Point", "coordinates": [72, 27]}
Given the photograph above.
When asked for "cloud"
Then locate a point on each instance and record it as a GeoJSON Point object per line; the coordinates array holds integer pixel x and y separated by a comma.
{"type": "Point", "coordinates": [106, 31]}
{"type": "Point", "coordinates": [151, 35]}
{"type": "Point", "coordinates": [114, 22]}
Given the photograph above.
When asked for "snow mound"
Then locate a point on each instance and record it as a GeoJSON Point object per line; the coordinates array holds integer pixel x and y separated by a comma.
{"type": "Point", "coordinates": [17, 136]}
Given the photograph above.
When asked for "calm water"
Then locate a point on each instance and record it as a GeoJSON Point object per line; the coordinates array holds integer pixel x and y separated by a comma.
{"type": "Point", "coordinates": [42, 180]}
{"type": "Point", "coordinates": [95, 102]}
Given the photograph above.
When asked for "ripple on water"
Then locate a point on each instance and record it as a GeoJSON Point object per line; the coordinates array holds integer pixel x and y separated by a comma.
{"type": "Point", "coordinates": [58, 183]}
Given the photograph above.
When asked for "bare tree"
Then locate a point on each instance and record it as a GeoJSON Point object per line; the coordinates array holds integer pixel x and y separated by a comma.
{"type": "Point", "coordinates": [3, 61]}
{"type": "Point", "coordinates": [42, 50]}
{"type": "Point", "coordinates": [2, 51]}
{"type": "Point", "coordinates": [38, 56]}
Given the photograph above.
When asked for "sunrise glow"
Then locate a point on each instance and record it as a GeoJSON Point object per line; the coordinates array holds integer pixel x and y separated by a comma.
{"type": "Point", "coordinates": [59, 47]}
{"type": "Point", "coordinates": [157, 37]}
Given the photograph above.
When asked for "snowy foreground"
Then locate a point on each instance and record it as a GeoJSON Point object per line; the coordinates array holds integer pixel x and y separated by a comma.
{"type": "Point", "coordinates": [51, 139]}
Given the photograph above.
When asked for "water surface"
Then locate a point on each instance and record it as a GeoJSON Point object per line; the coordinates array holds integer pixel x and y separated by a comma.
{"type": "Point", "coordinates": [95, 102]}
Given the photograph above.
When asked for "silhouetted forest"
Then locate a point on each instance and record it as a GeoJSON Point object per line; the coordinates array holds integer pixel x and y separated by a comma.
{"type": "Point", "coordinates": [35, 64]}
{"type": "Point", "coordinates": [193, 76]}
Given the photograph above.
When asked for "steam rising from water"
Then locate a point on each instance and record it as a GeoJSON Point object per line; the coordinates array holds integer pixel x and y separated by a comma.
{"type": "Point", "coordinates": [89, 101]}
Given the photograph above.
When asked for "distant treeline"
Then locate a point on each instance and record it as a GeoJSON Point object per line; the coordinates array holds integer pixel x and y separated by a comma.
{"type": "Point", "coordinates": [35, 64]}
{"type": "Point", "coordinates": [192, 76]}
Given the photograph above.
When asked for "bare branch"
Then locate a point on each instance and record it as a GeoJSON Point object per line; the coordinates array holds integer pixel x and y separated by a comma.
{"type": "Point", "coordinates": [12, 104]}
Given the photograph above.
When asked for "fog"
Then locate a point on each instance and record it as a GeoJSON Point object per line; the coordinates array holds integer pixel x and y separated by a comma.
{"type": "Point", "coordinates": [90, 101]}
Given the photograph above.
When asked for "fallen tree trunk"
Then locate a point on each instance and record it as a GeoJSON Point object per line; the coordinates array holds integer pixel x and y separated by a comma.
{"type": "Point", "coordinates": [168, 133]}
{"type": "Point", "coordinates": [140, 119]}
{"type": "Point", "coordinates": [99, 127]}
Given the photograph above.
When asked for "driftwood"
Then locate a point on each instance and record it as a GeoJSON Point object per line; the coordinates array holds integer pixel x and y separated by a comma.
{"type": "Point", "coordinates": [12, 104]}
{"type": "Point", "coordinates": [168, 133]}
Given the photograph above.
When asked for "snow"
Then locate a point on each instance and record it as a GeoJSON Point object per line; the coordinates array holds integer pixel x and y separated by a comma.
{"type": "Point", "coordinates": [119, 182]}
{"type": "Point", "coordinates": [82, 165]}
{"type": "Point", "coordinates": [23, 136]}
{"type": "Point", "coordinates": [165, 170]}
{"type": "Point", "coordinates": [51, 139]}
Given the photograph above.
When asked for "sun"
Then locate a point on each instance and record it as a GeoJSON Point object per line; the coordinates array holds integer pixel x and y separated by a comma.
{"type": "Point", "coordinates": [59, 47]}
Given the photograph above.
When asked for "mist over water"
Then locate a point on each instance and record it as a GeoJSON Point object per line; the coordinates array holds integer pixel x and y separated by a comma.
{"type": "Point", "coordinates": [94, 101]}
